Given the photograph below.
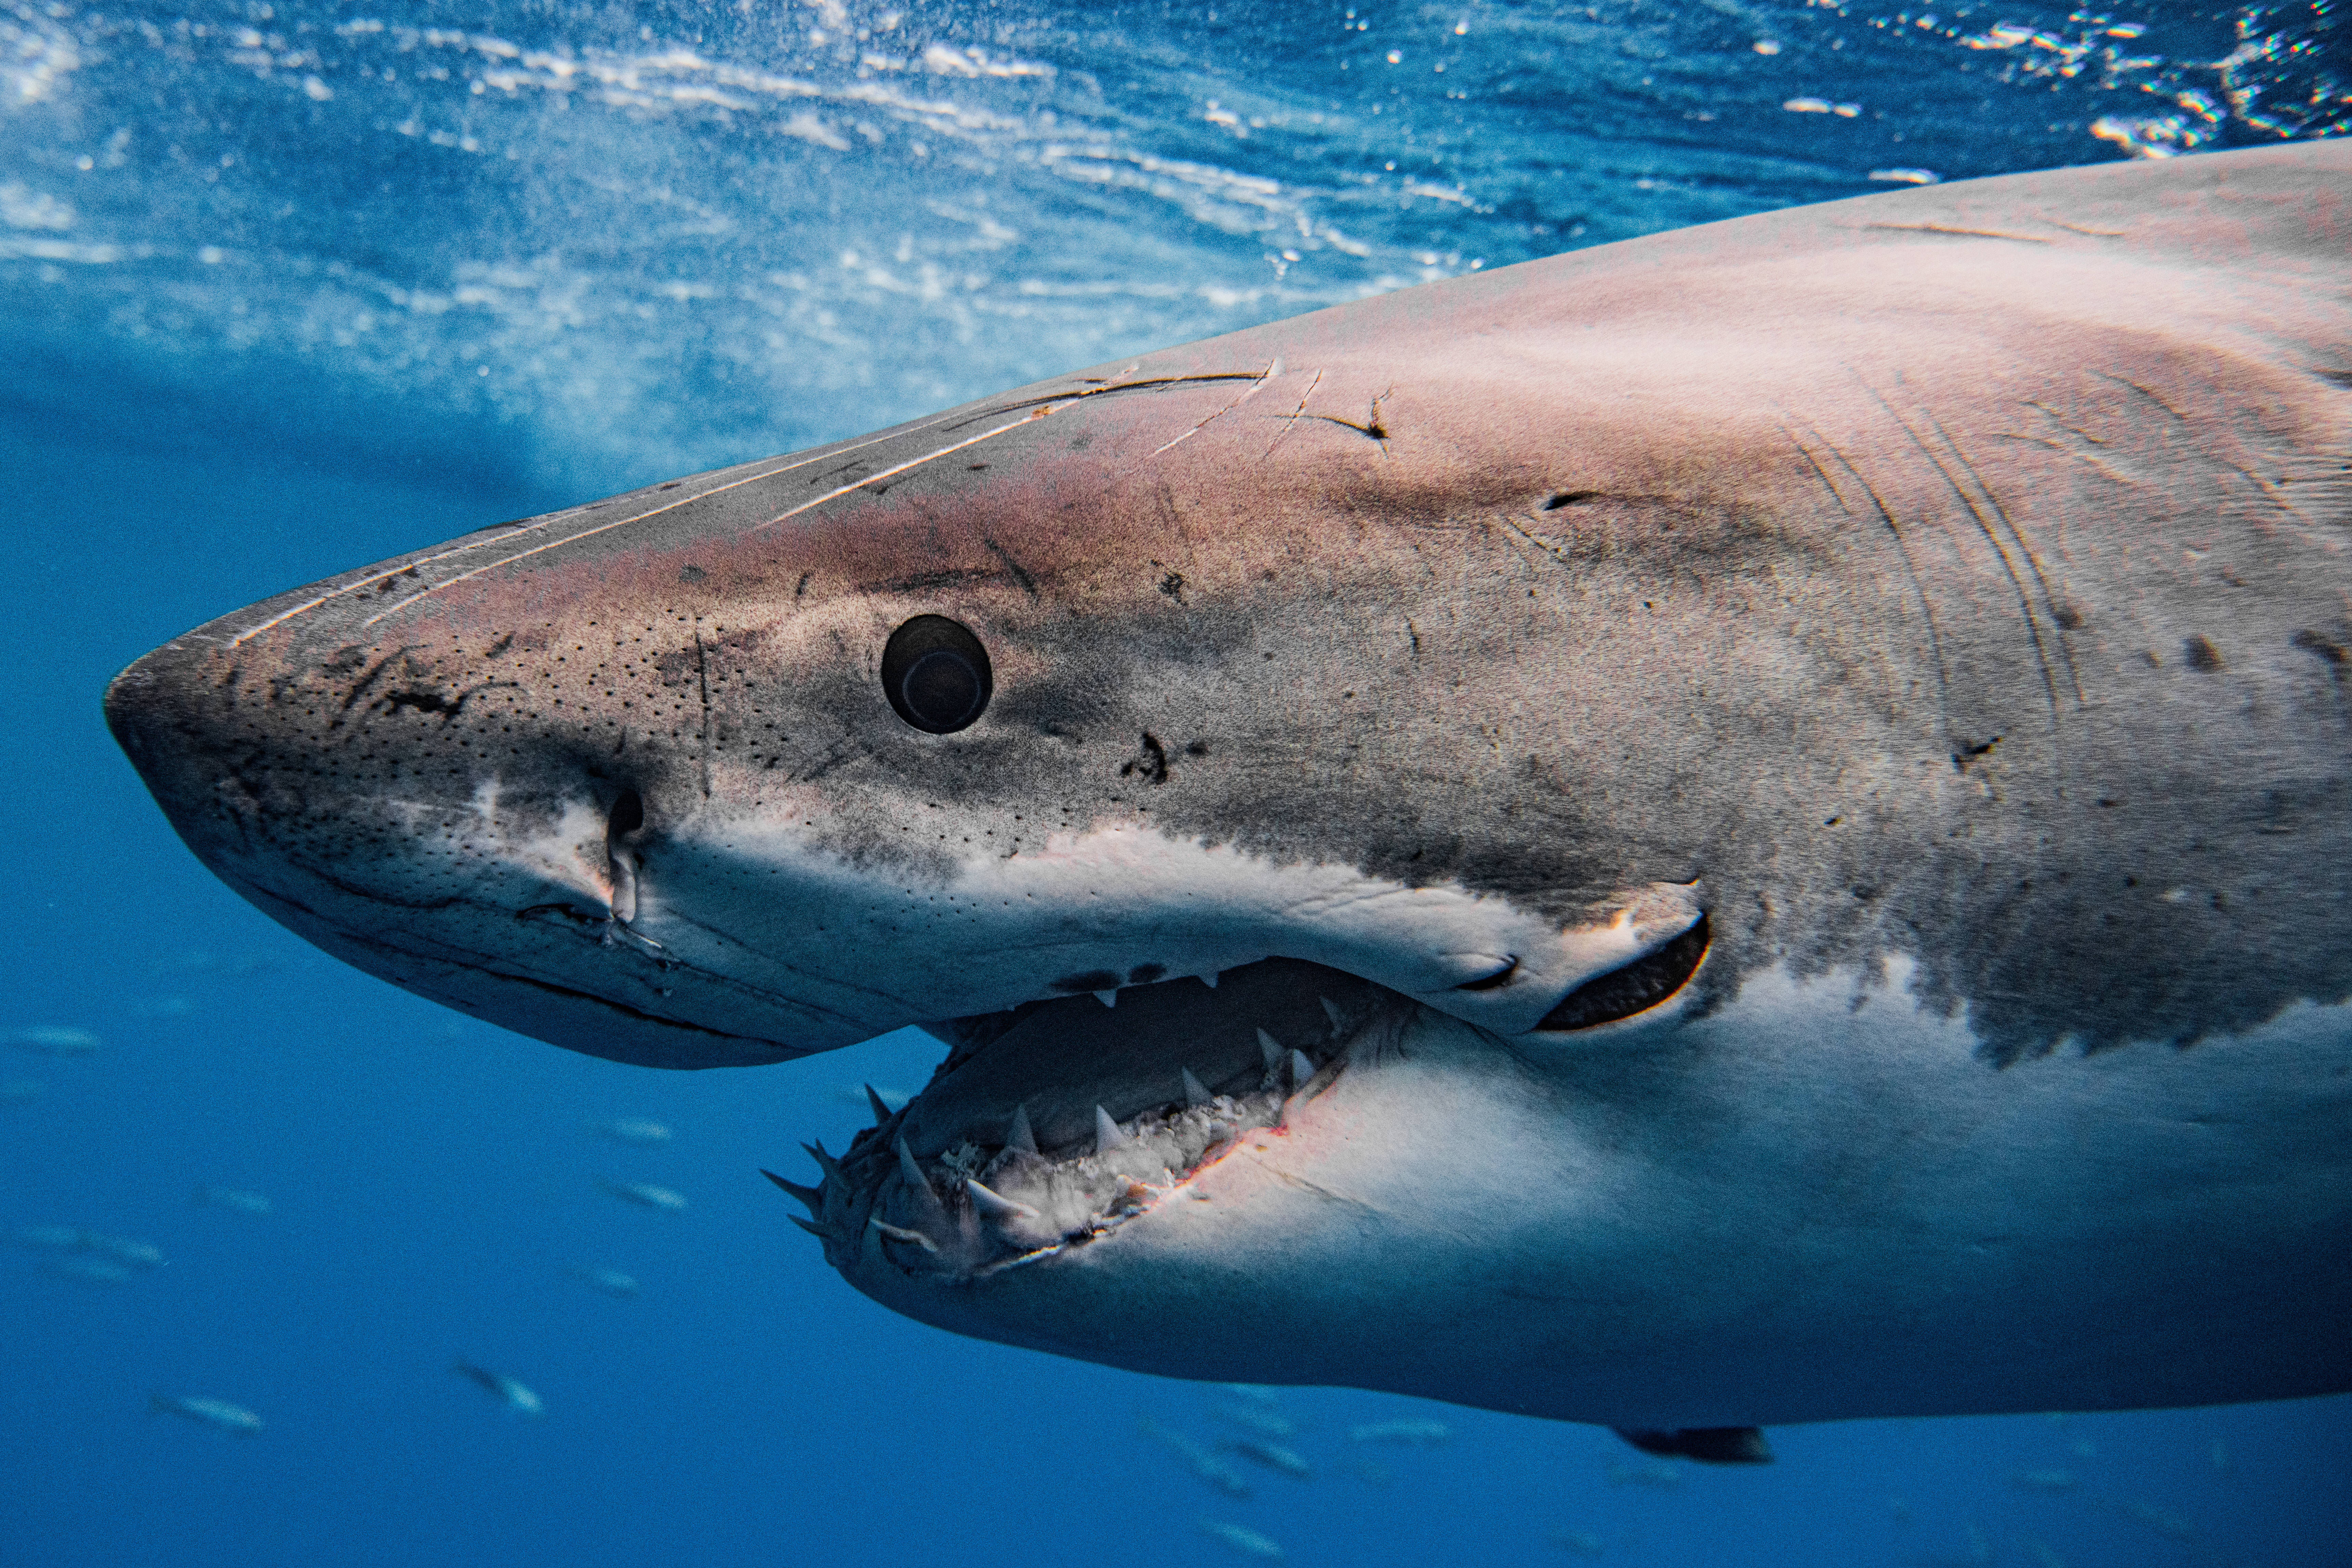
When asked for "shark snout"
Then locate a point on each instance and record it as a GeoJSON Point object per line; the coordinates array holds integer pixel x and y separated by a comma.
{"type": "Point", "coordinates": [415, 814]}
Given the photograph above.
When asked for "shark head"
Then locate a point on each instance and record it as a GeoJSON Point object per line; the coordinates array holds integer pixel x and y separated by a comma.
{"type": "Point", "coordinates": [1421, 829]}
{"type": "Point", "coordinates": [1022, 704]}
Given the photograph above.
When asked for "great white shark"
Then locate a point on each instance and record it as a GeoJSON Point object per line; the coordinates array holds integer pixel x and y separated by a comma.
{"type": "Point", "coordinates": [1750, 825]}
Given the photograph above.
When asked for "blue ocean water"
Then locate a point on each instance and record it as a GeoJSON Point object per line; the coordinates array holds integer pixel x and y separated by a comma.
{"type": "Point", "coordinates": [289, 286]}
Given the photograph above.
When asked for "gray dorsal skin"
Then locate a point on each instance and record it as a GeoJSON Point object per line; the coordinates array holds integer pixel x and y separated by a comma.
{"type": "Point", "coordinates": [1778, 792]}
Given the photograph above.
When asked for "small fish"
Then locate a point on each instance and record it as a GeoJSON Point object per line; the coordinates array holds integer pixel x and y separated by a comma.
{"type": "Point", "coordinates": [1422, 1434]}
{"type": "Point", "coordinates": [1658, 1473]}
{"type": "Point", "coordinates": [234, 1419]}
{"type": "Point", "coordinates": [116, 1250]}
{"type": "Point", "coordinates": [1581, 1543]}
{"type": "Point", "coordinates": [20, 1090]}
{"type": "Point", "coordinates": [49, 1238]}
{"type": "Point", "coordinates": [89, 1270]}
{"type": "Point", "coordinates": [1273, 1456]}
{"type": "Point", "coordinates": [605, 1281]}
{"type": "Point", "coordinates": [506, 1390]}
{"type": "Point", "coordinates": [2171, 1526]}
{"type": "Point", "coordinates": [645, 1194]}
{"type": "Point", "coordinates": [1206, 1466]}
{"type": "Point", "coordinates": [1258, 1418]}
{"type": "Point", "coordinates": [53, 1040]}
{"type": "Point", "coordinates": [2223, 1465]}
{"type": "Point", "coordinates": [631, 1130]}
{"type": "Point", "coordinates": [123, 1249]}
{"type": "Point", "coordinates": [1256, 1392]}
{"type": "Point", "coordinates": [2044, 1480]}
{"type": "Point", "coordinates": [231, 1198]}
{"type": "Point", "coordinates": [1244, 1540]}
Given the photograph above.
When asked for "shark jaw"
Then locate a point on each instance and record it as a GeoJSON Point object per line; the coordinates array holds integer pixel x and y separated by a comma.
{"type": "Point", "coordinates": [1148, 1185]}
{"type": "Point", "coordinates": [1051, 1126]}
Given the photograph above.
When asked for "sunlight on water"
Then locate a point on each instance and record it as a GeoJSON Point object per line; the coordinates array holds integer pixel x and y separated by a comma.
{"type": "Point", "coordinates": [673, 237]}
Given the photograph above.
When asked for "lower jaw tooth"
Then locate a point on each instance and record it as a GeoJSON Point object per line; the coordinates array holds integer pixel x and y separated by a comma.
{"type": "Point", "coordinates": [901, 1233]}
{"type": "Point", "coordinates": [993, 1206]}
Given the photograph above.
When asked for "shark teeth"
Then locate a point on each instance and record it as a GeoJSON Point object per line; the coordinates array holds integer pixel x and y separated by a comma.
{"type": "Point", "coordinates": [1108, 1135]}
{"type": "Point", "coordinates": [813, 1196]}
{"type": "Point", "coordinates": [992, 1206]}
{"type": "Point", "coordinates": [991, 1198]}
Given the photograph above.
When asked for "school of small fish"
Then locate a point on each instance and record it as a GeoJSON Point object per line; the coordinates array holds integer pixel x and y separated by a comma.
{"type": "Point", "coordinates": [95, 1257]}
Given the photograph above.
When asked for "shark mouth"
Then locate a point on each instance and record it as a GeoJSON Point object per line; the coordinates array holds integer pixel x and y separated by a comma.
{"type": "Point", "coordinates": [1050, 1126]}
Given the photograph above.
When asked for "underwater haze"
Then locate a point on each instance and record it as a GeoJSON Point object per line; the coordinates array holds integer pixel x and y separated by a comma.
{"type": "Point", "coordinates": [297, 1269]}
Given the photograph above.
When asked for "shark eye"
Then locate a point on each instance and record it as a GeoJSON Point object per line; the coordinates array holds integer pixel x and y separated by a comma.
{"type": "Point", "coordinates": [936, 674]}
{"type": "Point", "coordinates": [1636, 988]}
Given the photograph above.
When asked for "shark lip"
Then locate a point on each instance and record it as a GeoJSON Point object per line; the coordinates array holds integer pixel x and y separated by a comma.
{"type": "Point", "coordinates": [1050, 1127]}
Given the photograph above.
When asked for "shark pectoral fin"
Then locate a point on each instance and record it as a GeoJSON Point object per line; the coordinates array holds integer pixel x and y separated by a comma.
{"type": "Point", "coordinates": [1708, 1445]}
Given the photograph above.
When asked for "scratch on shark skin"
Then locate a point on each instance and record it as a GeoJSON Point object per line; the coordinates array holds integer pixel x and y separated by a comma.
{"type": "Point", "coordinates": [1901, 548]}
{"type": "Point", "coordinates": [308, 605]}
{"type": "Point", "coordinates": [2025, 548]}
{"type": "Point", "coordinates": [1039, 408]}
{"type": "Point", "coordinates": [1304, 1186]}
{"type": "Point", "coordinates": [2078, 229]}
{"type": "Point", "coordinates": [1104, 389]}
{"type": "Point", "coordinates": [2144, 391]}
{"type": "Point", "coordinates": [2001, 550]}
{"type": "Point", "coordinates": [716, 489]}
{"type": "Point", "coordinates": [1955, 229]}
{"type": "Point", "coordinates": [2052, 414]}
{"type": "Point", "coordinates": [1291, 422]}
{"type": "Point", "coordinates": [2061, 448]}
{"type": "Point", "coordinates": [1040, 412]}
{"type": "Point", "coordinates": [1272, 370]}
{"type": "Point", "coordinates": [1371, 424]}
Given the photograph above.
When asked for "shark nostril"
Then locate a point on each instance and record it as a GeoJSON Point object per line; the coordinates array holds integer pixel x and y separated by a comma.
{"type": "Point", "coordinates": [627, 816]}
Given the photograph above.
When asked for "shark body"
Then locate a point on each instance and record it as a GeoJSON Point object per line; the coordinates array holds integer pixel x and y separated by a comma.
{"type": "Point", "coordinates": [1750, 825]}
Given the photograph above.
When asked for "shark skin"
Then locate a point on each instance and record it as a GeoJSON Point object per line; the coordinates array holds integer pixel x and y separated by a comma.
{"type": "Point", "coordinates": [1743, 827]}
